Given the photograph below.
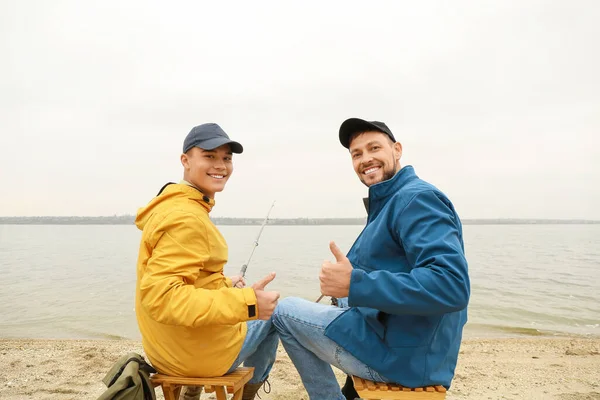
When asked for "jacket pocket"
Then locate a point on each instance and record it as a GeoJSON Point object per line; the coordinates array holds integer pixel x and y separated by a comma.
{"type": "Point", "coordinates": [374, 320]}
{"type": "Point", "coordinates": [410, 330]}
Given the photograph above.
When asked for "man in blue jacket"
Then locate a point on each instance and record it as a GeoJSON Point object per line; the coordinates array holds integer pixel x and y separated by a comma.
{"type": "Point", "coordinates": [403, 287]}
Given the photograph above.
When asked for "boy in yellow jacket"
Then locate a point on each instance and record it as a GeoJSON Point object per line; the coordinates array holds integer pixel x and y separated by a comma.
{"type": "Point", "coordinates": [194, 321]}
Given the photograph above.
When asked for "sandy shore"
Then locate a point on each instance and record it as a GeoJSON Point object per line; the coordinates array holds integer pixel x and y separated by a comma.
{"type": "Point", "coordinates": [522, 368]}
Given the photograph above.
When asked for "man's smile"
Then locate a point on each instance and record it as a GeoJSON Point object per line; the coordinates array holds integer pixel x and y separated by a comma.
{"type": "Point", "coordinates": [370, 170]}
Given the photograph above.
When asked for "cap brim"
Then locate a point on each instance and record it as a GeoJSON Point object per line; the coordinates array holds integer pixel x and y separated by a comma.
{"type": "Point", "coordinates": [354, 125]}
{"type": "Point", "coordinates": [213, 143]}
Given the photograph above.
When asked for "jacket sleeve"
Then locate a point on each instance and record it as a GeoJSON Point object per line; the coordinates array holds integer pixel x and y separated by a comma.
{"type": "Point", "coordinates": [438, 283]}
{"type": "Point", "coordinates": [180, 247]}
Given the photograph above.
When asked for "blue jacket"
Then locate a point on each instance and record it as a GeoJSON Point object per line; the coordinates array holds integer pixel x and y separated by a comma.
{"type": "Point", "coordinates": [410, 287]}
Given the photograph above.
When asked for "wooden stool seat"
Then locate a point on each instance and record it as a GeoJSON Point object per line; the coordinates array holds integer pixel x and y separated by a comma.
{"type": "Point", "coordinates": [229, 383]}
{"type": "Point", "coordinates": [370, 390]}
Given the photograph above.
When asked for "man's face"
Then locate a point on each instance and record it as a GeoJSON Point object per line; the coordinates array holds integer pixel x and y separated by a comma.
{"type": "Point", "coordinates": [375, 157]}
{"type": "Point", "coordinates": [208, 170]}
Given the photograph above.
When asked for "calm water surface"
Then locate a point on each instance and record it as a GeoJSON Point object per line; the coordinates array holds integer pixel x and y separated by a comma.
{"type": "Point", "coordinates": [78, 281]}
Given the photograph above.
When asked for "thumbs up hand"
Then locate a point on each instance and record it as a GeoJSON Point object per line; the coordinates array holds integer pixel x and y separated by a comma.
{"type": "Point", "coordinates": [335, 277]}
{"type": "Point", "coordinates": [266, 301]}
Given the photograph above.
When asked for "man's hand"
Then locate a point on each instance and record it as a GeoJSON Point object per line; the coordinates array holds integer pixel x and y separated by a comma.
{"type": "Point", "coordinates": [265, 301]}
{"type": "Point", "coordinates": [335, 277]}
{"type": "Point", "coordinates": [238, 281]}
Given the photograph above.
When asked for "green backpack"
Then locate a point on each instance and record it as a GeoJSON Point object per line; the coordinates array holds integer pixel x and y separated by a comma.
{"type": "Point", "coordinates": [129, 379]}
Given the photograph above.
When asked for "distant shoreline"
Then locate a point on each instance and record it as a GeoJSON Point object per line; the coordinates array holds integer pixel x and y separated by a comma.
{"type": "Point", "coordinates": [129, 220]}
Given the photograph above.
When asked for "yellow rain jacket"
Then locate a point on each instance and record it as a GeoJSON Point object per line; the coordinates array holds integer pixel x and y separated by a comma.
{"type": "Point", "coordinates": [191, 320]}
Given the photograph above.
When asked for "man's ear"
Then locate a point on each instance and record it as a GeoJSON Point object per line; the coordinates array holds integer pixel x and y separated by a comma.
{"type": "Point", "coordinates": [398, 150]}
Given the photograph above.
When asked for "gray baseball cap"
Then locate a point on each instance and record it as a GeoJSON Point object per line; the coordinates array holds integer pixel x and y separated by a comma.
{"type": "Point", "coordinates": [208, 137]}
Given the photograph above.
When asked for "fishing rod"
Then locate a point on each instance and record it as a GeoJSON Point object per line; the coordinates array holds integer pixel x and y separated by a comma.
{"type": "Point", "coordinates": [334, 300]}
{"type": "Point", "coordinates": [245, 266]}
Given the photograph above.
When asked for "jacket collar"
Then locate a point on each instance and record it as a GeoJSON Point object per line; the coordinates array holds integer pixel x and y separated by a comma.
{"type": "Point", "coordinates": [381, 190]}
{"type": "Point", "coordinates": [192, 192]}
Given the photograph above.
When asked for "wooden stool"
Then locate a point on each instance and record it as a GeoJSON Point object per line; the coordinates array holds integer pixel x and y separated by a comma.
{"type": "Point", "coordinates": [230, 383]}
{"type": "Point", "coordinates": [370, 390]}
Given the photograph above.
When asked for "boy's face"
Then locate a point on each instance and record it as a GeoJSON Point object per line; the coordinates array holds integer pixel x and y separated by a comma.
{"type": "Point", "coordinates": [208, 170]}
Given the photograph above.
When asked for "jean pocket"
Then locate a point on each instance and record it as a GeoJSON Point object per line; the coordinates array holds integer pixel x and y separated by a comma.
{"type": "Point", "coordinates": [352, 366]}
{"type": "Point", "coordinates": [376, 376]}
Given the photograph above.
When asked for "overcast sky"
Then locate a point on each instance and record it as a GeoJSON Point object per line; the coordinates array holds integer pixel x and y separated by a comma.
{"type": "Point", "coordinates": [497, 103]}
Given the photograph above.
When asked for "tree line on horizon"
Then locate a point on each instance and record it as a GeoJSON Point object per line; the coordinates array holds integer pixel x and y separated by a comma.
{"type": "Point", "coordinates": [129, 220]}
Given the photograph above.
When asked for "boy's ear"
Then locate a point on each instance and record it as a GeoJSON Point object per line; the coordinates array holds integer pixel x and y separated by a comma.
{"type": "Point", "coordinates": [185, 161]}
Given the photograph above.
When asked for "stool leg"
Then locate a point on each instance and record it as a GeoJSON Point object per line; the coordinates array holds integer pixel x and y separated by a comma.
{"type": "Point", "coordinates": [168, 391]}
{"type": "Point", "coordinates": [220, 391]}
{"type": "Point", "coordinates": [238, 395]}
{"type": "Point", "coordinates": [177, 392]}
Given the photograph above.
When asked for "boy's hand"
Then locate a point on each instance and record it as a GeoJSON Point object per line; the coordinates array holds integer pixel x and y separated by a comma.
{"type": "Point", "coordinates": [265, 301]}
{"type": "Point", "coordinates": [238, 281]}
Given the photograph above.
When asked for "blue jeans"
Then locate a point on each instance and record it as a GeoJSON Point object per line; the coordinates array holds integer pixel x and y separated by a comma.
{"type": "Point", "coordinates": [259, 349]}
{"type": "Point", "coordinates": [301, 325]}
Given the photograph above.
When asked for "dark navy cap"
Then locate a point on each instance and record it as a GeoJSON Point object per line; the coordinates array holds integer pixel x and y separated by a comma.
{"type": "Point", "coordinates": [353, 126]}
{"type": "Point", "coordinates": [208, 137]}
